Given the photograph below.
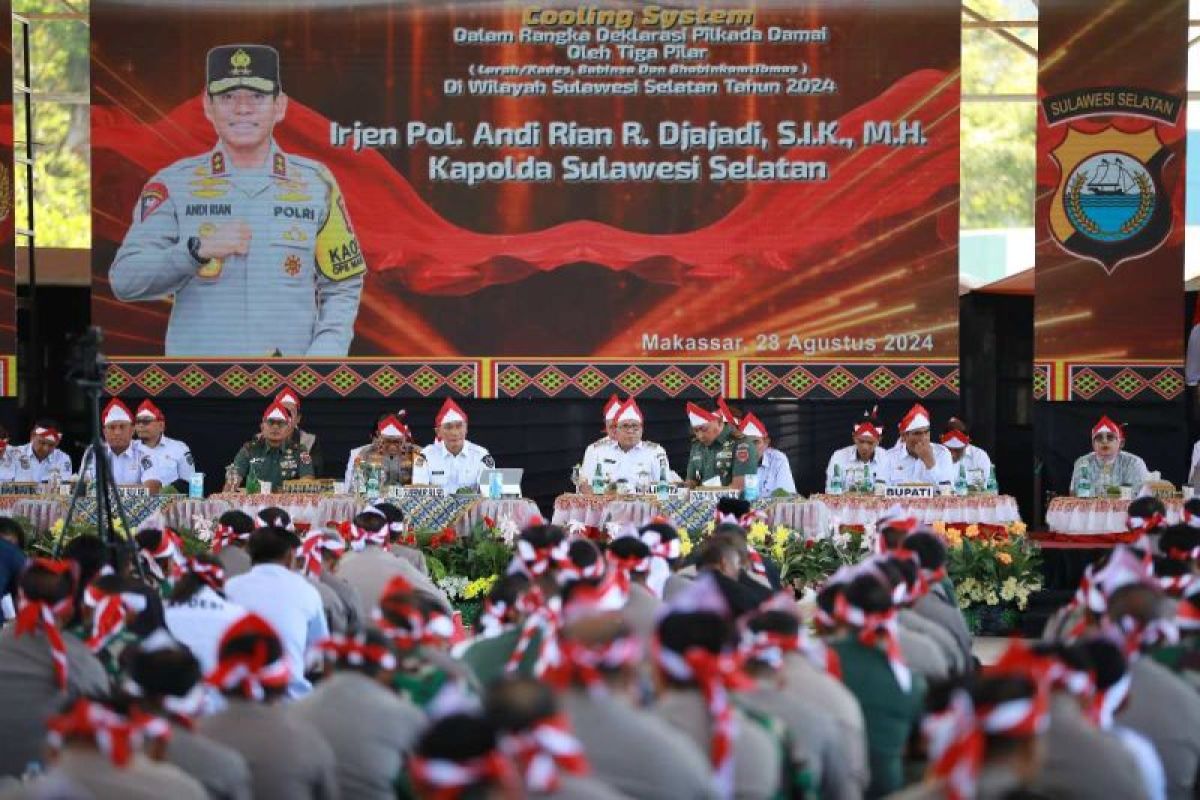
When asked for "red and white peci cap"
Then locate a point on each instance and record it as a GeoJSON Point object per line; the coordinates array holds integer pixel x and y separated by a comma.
{"type": "Point", "coordinates": [752, 427]}
{"type": "Point", "coordinates": [147, 410]}
{"type": "Point", "coordinates": [450, 412]}
{"type": "Point", "coordinates": [115, 411]}
{"type": "Point", "coordinates": [277, 411]}
{"type": "Point", "coordinates": [955, 440]}
{"type": "Point", "coordinates": [611, 408]}
{"type": "Point", "coordinates": [629, 412]}
{"type": "Point", "coordinates": [725, 412]}
{"type": "Point", "coordinates": [288, 397]}
{"type": "Point", "coordinates": [916, 419]}
{"type": "Point", "coordinates": [53, 434]}
{"type": "Point", "coordinates": [1106, 425]}
{"type": "Point", "coordinates": [392, 428]}
{"type": "Point", "coordinates": [698, 416]}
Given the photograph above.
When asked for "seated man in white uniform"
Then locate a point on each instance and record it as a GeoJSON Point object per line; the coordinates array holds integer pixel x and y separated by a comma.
{"type": "Point", "coordinates": [628, 461]}
{"type": "Point", "coordinates": [173, 457]}
{"type": "Point", "coordinates": [1108, 464]}
{"type": "Point", "coordinates": [920, 460]}
{"type": "Point", "coordinates": [774, 470]}
{"type": "Point", "coordinates": [40, 458]}
{"type": "Point", "coordinates": [853, 461]}
{"type": "Point", "coordinates": [610, 436]}
{"type": "Point", "coordinates": [451, 462]}
{"type": "Point", "coordinates": [130, 463]}
{"type": "Point", "coordinates": [974, 461]}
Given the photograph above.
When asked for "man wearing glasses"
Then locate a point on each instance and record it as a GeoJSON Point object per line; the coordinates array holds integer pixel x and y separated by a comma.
{"type": "Point", "coordinates": [627, 462]}
{"type": "Point", "coordinates": [245, 228]}
{"type": "Point", "coordinates": [272, 456]}
{"type": "Point", "coordinates": [1108, 464]}
{"type": "Point", "coordinates": [919, 460]}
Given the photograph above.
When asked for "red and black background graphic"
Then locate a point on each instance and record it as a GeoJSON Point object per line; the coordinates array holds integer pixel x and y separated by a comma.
{"type": "Point", "coordinates": [519, 289]}
{"type": "Point", "coordinates": [1102, 335]}
{"type": "Point", "coordinates": [8, 251]}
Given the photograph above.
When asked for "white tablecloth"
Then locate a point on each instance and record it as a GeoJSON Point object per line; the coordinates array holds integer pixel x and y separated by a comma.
{"type": "Point", "coordinates": [822, 513]}
{"type": "Point", "coordinates": [1081, 515]}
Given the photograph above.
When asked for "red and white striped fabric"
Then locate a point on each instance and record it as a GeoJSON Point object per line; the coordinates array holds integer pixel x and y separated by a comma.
{"type": "Point", "coordinates": [116, 736]}
{"type": "Point", "coordinates": [314, 544]}
{"type": "Point", "coordinates": [170, 548]}
{"type": "Point", "coordinates": [225, 535]}
{"type": "Point", "coordinates": [541, 615]}
{"type": "Point", "coordinates": [358, 538]}
{"type": "Point", "coordinates": [538, 560]}
{"type": "Point", "coordinates": [249, 674]}
{"type": "Point", "coordinates": [442, 779]}
{"type": "Point", "coordinates": [35, 615]}
{"type": "Point", "coordinates": [543, 753]}
{"type": "Point", "coordinates": [955, 745]}
{"type": "Point", "coordinates": [356, 651]}
{"type": "Point", "coordinates": [873, 630]}
{"type": "Point", "coordinates": [110, 614]}
{"type": "Point", "coordinates": [584, 664]}
{"type": "Point", "coordinates": [212, 575]}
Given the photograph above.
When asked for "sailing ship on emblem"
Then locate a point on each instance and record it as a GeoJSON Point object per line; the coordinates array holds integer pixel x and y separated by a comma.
{"type": "Point", "coordinates": [1110, 197]}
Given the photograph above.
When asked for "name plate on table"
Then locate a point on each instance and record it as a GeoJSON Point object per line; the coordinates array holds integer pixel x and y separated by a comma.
{"type": "Point", "coordinates": [715, 493]}
{"type": "Point", "coordinates": [21, 487]}
{"type": "Point", "coordinates": [307, 486]}
{"type": "Point", "coordinates": [401, 492]}
{"type": "Point", "coordinates": [132, 490]}
{"type": "Point", "coordinates": [911, 490]}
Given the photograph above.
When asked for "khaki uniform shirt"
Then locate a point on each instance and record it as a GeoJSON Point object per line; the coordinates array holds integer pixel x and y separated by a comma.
{"type": "Point", "coordinates": [369, 571]}
{"type": "Point", "coordinates": [1166, 710]}
{"type": "Point", "coordinates": [287, 756]}
{"type": "Point", "coordinates": [803, 680]}
{"type": "Point", "coordinates": [141, 779]}
{"type": "Point", "coordinates": [1082, 762]}
{"type": "Point", "coordinates": [222, 771]}
{"type": "Point", "coordinates": [235, 560]}
{"type": "Point", "coordinates": [369, 728]}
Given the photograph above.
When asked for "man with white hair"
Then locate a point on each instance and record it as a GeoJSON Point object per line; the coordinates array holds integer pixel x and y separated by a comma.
{"type": "Point", "coordinates": [627, 459]}
{"type": "Point", "coordinates": [920, 460]}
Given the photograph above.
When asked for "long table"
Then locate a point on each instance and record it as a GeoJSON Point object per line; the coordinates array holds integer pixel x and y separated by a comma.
{"type": "Point", "coordinates": [817, 515]}
{"type": "Point", "coordinates": [1093, 515]}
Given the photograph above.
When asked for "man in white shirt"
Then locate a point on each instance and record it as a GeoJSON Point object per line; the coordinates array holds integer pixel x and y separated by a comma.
{"type": "Point", "coordinates": [282, 597]}
{"type": "Point", "coordinates": [853, 461]}
{"type": "Point", "coordinates": [774, 471]}
{"type": "Point", "coordinates": [974, 461]}
{"type": "Point", "coordinates": [130, 463]}
{"type": "Point", "coordinates": [627, 459]}
{"type": "Point", "coordinates": [920, 460]}
{"type": "Point", "coordinates": [610, 436]}
{"type": "Point", "coordinates": [451, 462]}
{"type": "Point", "coordinates": [40, 458]}
{"type": "Point", "coordinates": [174, 458]}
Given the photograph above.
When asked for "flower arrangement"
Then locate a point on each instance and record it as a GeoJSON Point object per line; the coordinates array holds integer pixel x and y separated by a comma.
{"type": "Point", "coordinates": [991, 566]}
{"type": "Point", "coordinates": [467, 567]}
{"type": "Point", "coordinates": [808, 562]}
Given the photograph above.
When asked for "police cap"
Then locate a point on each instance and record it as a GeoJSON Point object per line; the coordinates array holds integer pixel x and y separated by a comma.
{"type": "Point", "coordinates": [243, 66]}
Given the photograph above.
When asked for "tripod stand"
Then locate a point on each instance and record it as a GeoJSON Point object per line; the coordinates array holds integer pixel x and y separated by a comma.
{"type": "Point", "coordinates": [85, 368]}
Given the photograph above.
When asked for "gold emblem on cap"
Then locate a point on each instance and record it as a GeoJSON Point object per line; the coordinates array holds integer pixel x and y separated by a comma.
{"type": "Point", "coordinates": [240, 61]}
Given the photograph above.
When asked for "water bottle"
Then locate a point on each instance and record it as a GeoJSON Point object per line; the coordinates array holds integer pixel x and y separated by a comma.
{"type": "Point", "coordinates": [252, 484]}
{"type": "Point", "coordinates": [360, 478]}
{"type": "Point", "coordinates": [960, 483]}
{"type": "Point", "coordinates": [598, 482]}
{"type": "Point", "coordinates": [495, 486]}
{"type": "Point", "coordinates": [992, 487]}
{"type": "Point", "coordinates": [750, 488]}
{"type": "Point", "coordinates": [372, 481]}
{"type": "Point", "coordinates": [1084, 487]}
{"type": "Point", "coordinates": [835, 483]}
{"type": "Point", "coordinates": [868, 482]}
{"type": "Point", "coordinates": [55, 481]}
{"type": "Point", "coordinates": [662, 490]}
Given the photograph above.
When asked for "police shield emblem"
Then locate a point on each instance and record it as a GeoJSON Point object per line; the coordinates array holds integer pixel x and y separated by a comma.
{"type": "Point", "coordinates": [1109, 205]}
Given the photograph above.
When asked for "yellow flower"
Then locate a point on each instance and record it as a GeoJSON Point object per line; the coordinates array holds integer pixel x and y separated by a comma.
{"type": "Point", "coordinates": [1004, 558]}
{"type": "Point", "coordinates": [57, 527]}
{"type": "Point", "coordinates": [479, 587]}
{"type": "Point", "coordinates": [971, 532]}
{"type": "Point", "coordinates": [685, 541]}
{"type": "Point", "coordinates": [939, 528]}
{"type": "Point", "coordinates": [758, 533]}
{"type": "Point", "coordinates": [1016, 529]}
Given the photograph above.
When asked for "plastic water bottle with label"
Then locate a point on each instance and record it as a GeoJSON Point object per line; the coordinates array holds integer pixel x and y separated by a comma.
{"type": "Point", "coordinates": [598, 482]}
{"type": "Point", "coordinates": [835, 483]}
{"type": "Point", "coordinates": [750, 488]}
{"type": "Point", "coordinates": [960, 483]}
{"type": "Point", "coordinates": [495, 486]}
{"type": "Point", "coordinates": [1084, 487]}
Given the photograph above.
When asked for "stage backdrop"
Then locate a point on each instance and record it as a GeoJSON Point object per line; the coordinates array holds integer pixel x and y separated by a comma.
{"type": "Point", "coordinates": [518, 201]}
{"type": "Point", "coordinates": [1110, 207]}
{"type": "Point", "coordinates": [8, 252]}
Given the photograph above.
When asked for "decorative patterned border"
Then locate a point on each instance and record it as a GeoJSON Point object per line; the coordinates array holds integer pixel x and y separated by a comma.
{"type": "Point", "coordinates": [310, 379]}
{"type": "Point", "coordinates": [853, 381]}
{"type": "Point", "coordinates": [593, 378]}
{"type": "Point", "coordinates": [1061, 380]}
{"type": "Point", "coordinates": [8, 376]}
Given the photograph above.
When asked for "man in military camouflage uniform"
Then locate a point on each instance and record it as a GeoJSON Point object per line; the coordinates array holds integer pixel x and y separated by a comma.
{"type": "Point", "coordinates": [273, 457]}
{"type": "Point", "coordinates": [719, 451]}
{"type": "Point", "coordinates": [223, 231]}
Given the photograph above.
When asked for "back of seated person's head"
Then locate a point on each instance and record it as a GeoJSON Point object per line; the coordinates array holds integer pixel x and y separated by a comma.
{"type": "Point", "coordinates": [888, 572]}
{"type": "Point", "coordinates": [827, 596]}
{"type": "Point", "coordinates": [930, 550]}
{"type": "Point", "coordinates": [189, 583]}
{"type": "Point", "coordinates": [148, 538]}
{"type": "Point", "coordinates": [732, 532]}
{"type": "Point", "coordinates": [907, 568]}
{"type": "Point", "coordinates": [1107, 660]}
{"type": "Point", "coordinates": [734, 507]}
{"type": "Point", "coordinates": [515, 703]}
{"type": "Point", "coordinates": [718, 553]}
{"type": "Point", "coordinates": [781, 623]}
{"type": "Point", "coordinates": [1142, 602]}
{"type": "Point", "coordinates": [869, 594]}
{"type": "Point", "coordinates": [990, 691]}
{"type": "Point", "coordinates": [1178, 543]}
{"type": "Point", "coordinates": [150, 617]}
{"type": "Point", "coordinates": [251, 640]}
{"type": "Point", "coordinates": [586, 559]}
{"type": "Point", "coordinates": [370, 521]}
{"type": "Point", "coordinates": [543, 535]}
{"type": "Point", "coordinates": [239, 521]}
{"type": "Point", "coordinates": [89, 552]}
{"type": "Point", "coordinates": [629, 549]}
{"type": "Point", "coordinates": [394, 519]}
{"type": "Point", "coordinates": [371, 667]}
{"type": "Point", "coordinates": [48, 582]}
{"type": "Point", "coordinates": [456, 738]}
{"type": "Point", "coordinates": [164, 671]}
{"type": "Point", "coordinates": [275, 517]}
{"type": "Point", "coordinates": [893, 538]}
{"type": "Point", "coordinates": [681, 631]}
{"type": "Point", "coordinates": [506, 593]}
{"type": "Point", "coordinates": [11, 530]}
{"type": "Point", "coordinates": [1146, 507]}
{"type": "Point", "coordinates": [271, 546]}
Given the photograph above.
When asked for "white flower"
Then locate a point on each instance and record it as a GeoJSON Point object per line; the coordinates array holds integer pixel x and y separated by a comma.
{"type": "Point", "coordinates": [202, 528]}
{"type": "Point", "coordinates": [576, 527]}
{"type": "Point", "coordinates": [508, 530]}
{"type": "Point", "coordinates": [453, 586]}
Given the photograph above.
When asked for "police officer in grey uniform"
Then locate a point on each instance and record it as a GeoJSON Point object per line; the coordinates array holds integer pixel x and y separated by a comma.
{"type": "Point", "coordinates": [222, 231]}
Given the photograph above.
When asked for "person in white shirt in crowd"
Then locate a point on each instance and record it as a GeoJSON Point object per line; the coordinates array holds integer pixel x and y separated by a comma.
{"type": "Point", "coordinates": [920, 460]}
{"type": "Point", "coordinates": [451, 462]}
{"type": "Point", "coordinates": [610, 436]}
{"type": "Point", "coordinates": [1109, 464]}
{"type": "Point", "coordinates": [174, 458]}
{"type": "Point", "coordinates": [198, 613]}
{"type": "Point", "coordinates": [283, 598]}
{"type": "Point", "coordinates": [39, 459]}
{"type": "Point", "coordinates": [853, 461]}
{"type": "Point", "coordinates": [8, 458]}
{"type": "Point", "coordinates": [628, 459]}
{"type": "Point", "coordinates": [975, 462]}
{"type": "Point", "coordinates": [774, 470]}
{"type": "Point", "coordinates": [130, 463]}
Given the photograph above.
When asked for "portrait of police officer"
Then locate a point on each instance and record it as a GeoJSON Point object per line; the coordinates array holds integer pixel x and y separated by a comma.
{"type": "Point", "coordinates": [253, 245]}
